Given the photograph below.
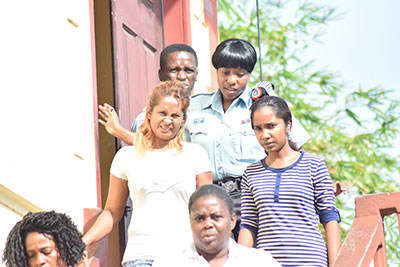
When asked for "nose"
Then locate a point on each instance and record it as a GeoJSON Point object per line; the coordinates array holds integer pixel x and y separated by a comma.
{"type": "Point", "coordinates": [181, 76]}
{"type": "Point", "coordinates": [168, 119]}
{"type": "Point", "coordinates": [232, 79]}
{"type": "Point", "coordinates": [266, 134]}
{"type": "Point", "coordinates": [39, 259]}
{"type": "Point", "coordinates": [207, 223]}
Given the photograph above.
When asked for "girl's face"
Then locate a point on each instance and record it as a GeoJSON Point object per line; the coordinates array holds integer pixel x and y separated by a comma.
{"type": "Point", "coordinates": [232, 82]}
{"type": "Point", "coordinates": [165, 121]}
{"type": "Point", "coordinates": [271, 131]}
{"type": "Point", "coordinates": [41, 251]}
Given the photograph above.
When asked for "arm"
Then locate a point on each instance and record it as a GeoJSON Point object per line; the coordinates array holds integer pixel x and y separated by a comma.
{"type": "Point", "coordinates": [113, 126]}
{"type": "Point", "coordinates": [246, 237]}
{"type": "Point", "coordinates": [203, 178]}
{"type": "Point", "coordinates": [332, 240]}
{"type": "Point", "coordinates": [113, 211]}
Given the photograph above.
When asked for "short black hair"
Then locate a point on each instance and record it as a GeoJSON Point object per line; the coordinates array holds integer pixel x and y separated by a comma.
{"type": "Point", "coordinates": [212, 190]}
{"type": "Point", "coordinates": [57, 225]}
{"type": "Point", "coordinates": [235, 53]}
{"type": "Point", "coordinates": [172, 49]}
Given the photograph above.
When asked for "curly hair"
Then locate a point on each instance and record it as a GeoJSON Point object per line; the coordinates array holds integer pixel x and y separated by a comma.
{"type": "Point", "coordinates": [144, 136]}
{"type": "Point", "coordinates": [57, 225]}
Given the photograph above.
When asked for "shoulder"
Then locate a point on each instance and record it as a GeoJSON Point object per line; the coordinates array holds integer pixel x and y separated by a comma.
{"type": "Point", "coordinates": [201, 98]}
{"type": "Point", "coordinates": [255, 167]}
{"type": "Point", "coordinates": [126, 150]}
{"type": "Point", "coordinates": [312, 158]}
{"type": "Point", "coordinates": [205, 95]}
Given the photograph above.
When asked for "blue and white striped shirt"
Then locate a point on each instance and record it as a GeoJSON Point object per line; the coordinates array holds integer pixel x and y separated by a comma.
{"type": "Point", "coordinates": [282, 207]}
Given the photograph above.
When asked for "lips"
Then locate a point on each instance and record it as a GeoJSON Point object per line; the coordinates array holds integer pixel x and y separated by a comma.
{"type": "Point", "coordinates": [165, 129]}
{"type": "Point", "coordinates": [209, 238]}
{"type": "Point", "coordinates": [269, 144]}
{"type": "Point", "coordinates": [230, 89]}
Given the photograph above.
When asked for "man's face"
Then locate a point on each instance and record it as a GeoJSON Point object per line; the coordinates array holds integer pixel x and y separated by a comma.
{"type": "Point", "coordinates": [180, 66]}
{"type": "Point", "coordinates": [211, 225]}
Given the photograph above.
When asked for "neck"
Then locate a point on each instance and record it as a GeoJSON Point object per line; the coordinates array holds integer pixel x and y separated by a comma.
{"type": "Point", "coordinates": [282, 158]}
{"type": "Point", "coordinates": [218, 259]}
{"type": "Point", "coordinates": [159, 146]}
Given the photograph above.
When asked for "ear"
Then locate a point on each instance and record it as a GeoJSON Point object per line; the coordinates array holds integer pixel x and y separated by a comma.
{"type": "Point", "coordinates": [289, 127]}
{"type": "Point", "coordinates": [161, 75]}
{"type": "Point", "coordinates": [233, 221]}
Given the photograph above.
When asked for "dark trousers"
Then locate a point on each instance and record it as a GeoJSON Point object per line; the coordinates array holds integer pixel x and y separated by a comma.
{"type": "Point", "coordinates": [232, 186]}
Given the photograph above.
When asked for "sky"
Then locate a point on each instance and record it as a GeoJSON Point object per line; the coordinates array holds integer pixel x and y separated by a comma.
{"type": "Point", "coordinates": [363, 46]}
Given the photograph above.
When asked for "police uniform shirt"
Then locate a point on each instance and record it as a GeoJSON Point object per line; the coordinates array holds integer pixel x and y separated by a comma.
{"type": "Point", "coordinates": [227, 136]}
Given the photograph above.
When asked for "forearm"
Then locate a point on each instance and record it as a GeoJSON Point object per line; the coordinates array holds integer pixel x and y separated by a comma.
{"type": "Point", "coordinates": [102, 227]}
{"type": "Point", "coordinates": [203, 178]}
{"type": "Point", "coordinates": [246, 237]}
{"type": "Point", "coordinates": [124, 135]}
{"type": "Point", "coordinates": [332, 240]}
{"type": "Point", "coordinates": [117, 195]}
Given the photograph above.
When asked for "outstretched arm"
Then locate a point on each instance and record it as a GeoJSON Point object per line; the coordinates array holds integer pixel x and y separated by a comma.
{"type": "Point", "coordinates": [113, 211]}
{"type": "Point", "coordinates": [112, 124]}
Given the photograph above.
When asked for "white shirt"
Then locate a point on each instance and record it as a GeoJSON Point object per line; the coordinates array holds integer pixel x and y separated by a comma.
{"type": "Point", "coordinates": [238, 256]}
{"type": "Point", "coordinates": [160, 185]}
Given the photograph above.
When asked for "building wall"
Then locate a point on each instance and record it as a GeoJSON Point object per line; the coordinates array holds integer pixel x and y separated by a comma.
{"type": "Point", "coordinates": [47, 137]}
{"type": "Point", "coordinates": [204, 38]}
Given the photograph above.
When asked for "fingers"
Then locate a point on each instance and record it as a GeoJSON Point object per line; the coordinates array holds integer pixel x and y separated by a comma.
{"type": "Point", "coordinates": [338, 188]}
{"type": "Point", "coordinates": [106, 111]}
{"type": "Point", "coordinates": [102, 114]}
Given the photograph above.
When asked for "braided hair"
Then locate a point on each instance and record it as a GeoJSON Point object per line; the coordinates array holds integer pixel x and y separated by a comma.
{"type": "Point", "coordinates": [57, 225]}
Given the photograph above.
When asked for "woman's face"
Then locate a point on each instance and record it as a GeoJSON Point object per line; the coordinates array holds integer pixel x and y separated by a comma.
{"type": "Point", "coordinates": [271, 131]}
{"type": "Point", "coordinates": [211, 225]}
{"type": "Point", "coordinates": [41, 250]}
{"type": "Point", "coordinates": [232, 82]}
{"type": "Point", "coordinates": [165, 121]}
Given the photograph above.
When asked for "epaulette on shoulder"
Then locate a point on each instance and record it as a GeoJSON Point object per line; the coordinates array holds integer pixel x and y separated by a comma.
{"type": "Point", "coordinates": [205, 94]}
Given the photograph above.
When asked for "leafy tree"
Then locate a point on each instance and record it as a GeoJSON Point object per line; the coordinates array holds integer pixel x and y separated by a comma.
{"type": "Point", "coordinates": [353, 129]}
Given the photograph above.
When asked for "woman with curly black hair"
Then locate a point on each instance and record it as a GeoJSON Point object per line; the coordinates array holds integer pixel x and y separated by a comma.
{"type": "Point", "coordinates": [44, 239]}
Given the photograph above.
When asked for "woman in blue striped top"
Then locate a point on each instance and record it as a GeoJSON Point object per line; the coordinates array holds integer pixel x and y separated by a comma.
{"type": "Point", "coordinates": [284, 194]}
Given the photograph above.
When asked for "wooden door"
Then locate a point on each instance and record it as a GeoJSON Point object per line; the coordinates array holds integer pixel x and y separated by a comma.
{"type": "Point", "coordinates": [137, 40]}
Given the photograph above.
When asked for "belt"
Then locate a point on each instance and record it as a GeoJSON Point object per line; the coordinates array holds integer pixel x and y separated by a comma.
{"type": "Point", "coordinates": [231, 184]}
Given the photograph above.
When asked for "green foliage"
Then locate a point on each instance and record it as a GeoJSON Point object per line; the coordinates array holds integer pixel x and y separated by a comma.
{"type": "Point", "coordinates": [353, 129]}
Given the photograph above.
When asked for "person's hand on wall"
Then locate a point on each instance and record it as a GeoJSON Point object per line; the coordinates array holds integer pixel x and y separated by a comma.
{"type": "Point", "coordinates": [338, 188]}
{"type": "Point", "coordinates": [110, 119]}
